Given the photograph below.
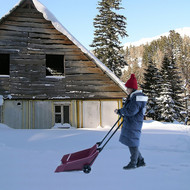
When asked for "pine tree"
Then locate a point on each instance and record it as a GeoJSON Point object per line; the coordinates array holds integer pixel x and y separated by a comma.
{"type": "Point", "coordinates": [185, 64]}
{"type": "Point", "coordinates": [167, 103]}
{"type": "Point", "coordinates": [171, 90]}
{"type": "Point", "coordinates": [149, 52]}
{"type": "Point", "coordinates": [185, 68]}
{"type": "Point", "coordinates": [174, 51]}
{"type": "Point", "coordinates": [174, 44]}
{"type": "Point", "coordinates": [151, 87]}
{"type": "Point", "coordinates": [177, 88]}
{"type": "Point", "coordinates": [109, 27]}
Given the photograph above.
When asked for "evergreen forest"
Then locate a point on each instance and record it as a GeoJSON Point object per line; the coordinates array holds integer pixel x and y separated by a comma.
{"type": "Point", "coordinates": [162, 70]}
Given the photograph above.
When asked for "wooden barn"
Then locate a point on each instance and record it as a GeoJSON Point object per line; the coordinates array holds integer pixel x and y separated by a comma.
{"type": "Point", "coordinates": [47, 77]}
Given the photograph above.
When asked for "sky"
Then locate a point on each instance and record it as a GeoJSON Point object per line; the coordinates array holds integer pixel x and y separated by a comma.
{"type": "Point", "coordinates": [145, 18]}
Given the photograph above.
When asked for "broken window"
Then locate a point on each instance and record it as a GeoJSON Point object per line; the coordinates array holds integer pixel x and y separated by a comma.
{"type": "Point", "coordinates": [55, 65]}
{"type": "Point", "coordinates": [4, 64]}
{"type": "Point", "coordinates": [62, 114]}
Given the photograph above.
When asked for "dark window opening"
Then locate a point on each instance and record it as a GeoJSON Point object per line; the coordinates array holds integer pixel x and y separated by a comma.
{"type": "Point", "coordinates": [55, 65]}
{"type": "Point", "coordinates": [57, 118]}
{"type": "Point", "coordinates": [57, 109]}
{"type": "Point", "coordinates": [62, 114]}
{"type": "Point", "coordinates": [4, 64]}
{"type": "Point", "coordinates": [66, 114]}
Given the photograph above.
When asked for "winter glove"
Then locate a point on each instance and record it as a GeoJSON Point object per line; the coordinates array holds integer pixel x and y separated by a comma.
{"type": "Point", "coordinates": [117, 112]}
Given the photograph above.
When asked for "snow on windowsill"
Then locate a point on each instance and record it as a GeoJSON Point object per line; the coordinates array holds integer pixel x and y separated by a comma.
{"type": "Point", "coordinates": [4, 76]}
{"type": "Point", "coordinates": [61, 126]}
{"type": "Point", "coordinates": [55, 77]}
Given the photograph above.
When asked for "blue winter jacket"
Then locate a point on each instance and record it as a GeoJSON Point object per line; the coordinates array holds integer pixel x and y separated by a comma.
{"type": "Point", "coordinates": [133, 114]}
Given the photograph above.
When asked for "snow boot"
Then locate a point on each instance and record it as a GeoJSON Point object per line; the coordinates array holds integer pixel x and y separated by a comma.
{"type": "Point", "coordinates": [130, 166]}
{"type": "Point", "coordinates": [141, 163]}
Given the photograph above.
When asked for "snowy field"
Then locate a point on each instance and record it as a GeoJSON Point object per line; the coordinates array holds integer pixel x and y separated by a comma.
{"type": "Point", "coordinates": [28, 159]}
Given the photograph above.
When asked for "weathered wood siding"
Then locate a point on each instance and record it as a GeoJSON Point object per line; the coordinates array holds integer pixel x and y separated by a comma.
{"type": "Point", "coordinates": [28, 37]}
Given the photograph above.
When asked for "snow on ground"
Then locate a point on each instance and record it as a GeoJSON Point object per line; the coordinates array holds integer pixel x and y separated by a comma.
{"type": "Point", "coordinates": [28, 159]}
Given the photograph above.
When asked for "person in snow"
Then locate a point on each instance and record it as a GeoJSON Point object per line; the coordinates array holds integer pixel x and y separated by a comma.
{"type": "Point", "coordinates": [133, 114]}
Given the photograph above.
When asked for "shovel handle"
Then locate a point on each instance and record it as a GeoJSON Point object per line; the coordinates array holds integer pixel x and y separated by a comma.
{"type": "Point", "coordinates": [101, 148]}
{"type": "Point", "coordinates": [99, 143]}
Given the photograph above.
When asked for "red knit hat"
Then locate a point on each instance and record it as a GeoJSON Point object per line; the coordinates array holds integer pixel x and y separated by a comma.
{"type": "Point", "coordinates": [132, 82]}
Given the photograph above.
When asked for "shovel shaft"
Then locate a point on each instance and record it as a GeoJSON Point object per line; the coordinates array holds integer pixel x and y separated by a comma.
{"type": "Point", "coordinates": [99, 143]}
{"type": "Point", "coordinates": [101, 148]}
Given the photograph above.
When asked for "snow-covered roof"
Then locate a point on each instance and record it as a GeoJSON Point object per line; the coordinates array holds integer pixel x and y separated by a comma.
{"type": "Point", "coordinates": [50, 17]}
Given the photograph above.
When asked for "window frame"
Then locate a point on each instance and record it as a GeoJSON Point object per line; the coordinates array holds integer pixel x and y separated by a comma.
{"type": "Point", "coordinates": [48, 62]}
{"type": "Point", "coordinates": [7, 72]}
{"type": "Point", "coordinates": [62, 105]}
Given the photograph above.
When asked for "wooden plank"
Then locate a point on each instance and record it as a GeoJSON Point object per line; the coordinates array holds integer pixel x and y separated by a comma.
{"type": "Point", "coordinates": [90, 82]}
{"type": "Point", "coordinates": [82, 70]}
{"type": "Point", "coordinates": [12, 43]}
{"type": "Point", "coordinates": [48, 36]}
{"type": "Point", "coordinates": [13, 33]}
{"type": "Point", "coordinates": [79, 63]}
{"type": "Point", "coordinates": [22, 10]}
{"type": "Point", "coordinates": [28, 56]}
{"type": "Point", "coordinates": [13, 48]}
{"type": "Point", "coordinates": [27, 61]}
{"type": "Point", "coordinates": [93, 88]}
{"type": "Point", "coordinates": [28, 18]}
{"type": "Point", "coordinates": [28, 29]}
{"type": "Point", "coordinates": [10, 51]}
{"type": "Point", "coordinates": [49, 41]}
{"type": "Point", "coordinates": [95, 95]}
{"type": "Point", "coordinates": [4, 85]}
{"type": "Point", "coordinates": [92, 76]}
{"type": "Point", "coordinates": [75, 57]}
{"type": "Point", "coordinates": [30, 24]}
{"type": "Point", "coordinates": [110, 94]}
{"type": "Point", "coordinates": [37, 90]}
{"type": "Point", "coordinates": [33, 51]}
{"type": "Point", "coordinates": [71, 48]}
{"type": "Point", "coordinates": [32, 15]}
{"type": "Point", "coordinates": [13, 38]}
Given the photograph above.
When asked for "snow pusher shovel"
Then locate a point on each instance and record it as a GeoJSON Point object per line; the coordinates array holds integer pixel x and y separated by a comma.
{"type": "Point", "coordinates": [83, 160]}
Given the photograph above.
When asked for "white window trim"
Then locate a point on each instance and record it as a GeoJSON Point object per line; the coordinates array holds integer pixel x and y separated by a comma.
{"type": "Point", "coordinates": [62, 104]}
